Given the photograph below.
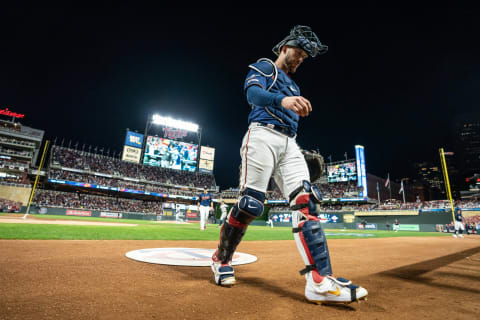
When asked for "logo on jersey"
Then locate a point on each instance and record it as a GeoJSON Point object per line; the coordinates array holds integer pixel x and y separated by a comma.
{"type": "Point", "coordinates": [292, 89]}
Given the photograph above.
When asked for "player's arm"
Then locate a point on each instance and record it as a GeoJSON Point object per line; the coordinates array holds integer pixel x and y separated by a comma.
{"type": "Point", "coordinates": [258, 96]}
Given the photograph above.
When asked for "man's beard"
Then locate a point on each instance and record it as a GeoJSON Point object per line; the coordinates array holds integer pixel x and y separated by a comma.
{"type": "Point", "coordinates": [291, 64]}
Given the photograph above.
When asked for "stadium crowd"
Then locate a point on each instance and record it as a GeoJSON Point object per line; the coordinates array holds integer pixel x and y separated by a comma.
{"type": "Point", "coordinates": [53, 198]}
{"type": "Point", "coordinates": [89, 162]}
{"type": "Point", "coordinates": [9, 205]}
{"type": "Point", "coordinates": [17, 142]}
{"type": "Point", "coordinates": [117, 183]}
{"type": "Point", "coordinates": [472, 225]}
{"type": "Point", "coordinates": [338, 189]}
{"type": "Point", "coordinates": [13, 152]}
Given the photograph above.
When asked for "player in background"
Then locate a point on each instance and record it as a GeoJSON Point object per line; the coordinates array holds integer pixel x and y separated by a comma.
{"type": "Point", "coordinates": [396, 225]}
{"type": "Point", "coordinates": [458, 223]}
{"type": "Point", "coordinates": [269, 149]}
{"type": "Point", "coordinates": [270, 221]}
{"type": "Point", "coordinates": [223, 209]}
{"type": "Point", "coordinates": [205, 204]}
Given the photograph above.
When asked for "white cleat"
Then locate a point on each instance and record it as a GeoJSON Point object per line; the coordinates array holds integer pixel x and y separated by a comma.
{"type": "Point", "coordinates": [333, 290]}
{"type": "Point", "coordinates": [454, 235]}
{"type": "Point", "coordinates": [460, 235]}
{"type": "Point", "coordinates": [223, 273]}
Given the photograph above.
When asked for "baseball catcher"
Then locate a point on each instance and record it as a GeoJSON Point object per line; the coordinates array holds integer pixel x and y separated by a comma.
{"type": "Point", "coordinates": [269, 149]}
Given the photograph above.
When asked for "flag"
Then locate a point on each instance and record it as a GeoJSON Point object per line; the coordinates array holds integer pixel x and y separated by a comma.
{"type": "Point", "coordinates": [346, 157]}
{"type": "Point", "coordinates": [378, 190]}
{"type": "Point", "coordinates": [401, 188]}
{"type": "Point", "coordinates": [387, 183]}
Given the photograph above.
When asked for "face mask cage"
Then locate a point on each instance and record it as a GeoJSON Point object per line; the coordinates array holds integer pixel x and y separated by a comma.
{"type": "Point", "coordinates": [303, 37]}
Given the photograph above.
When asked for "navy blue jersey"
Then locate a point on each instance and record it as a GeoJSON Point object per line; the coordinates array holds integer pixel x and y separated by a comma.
{"type": "Point", "coordinates": [205, 199]}
{"type": "Point", "coordinates": [266, 75]}
{"type": "Point", "coordinates": [458, 216]}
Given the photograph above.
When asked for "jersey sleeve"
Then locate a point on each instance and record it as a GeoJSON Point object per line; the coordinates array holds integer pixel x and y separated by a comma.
{"type": "Point", "coordinates": [254, 78]}
{"type": "Point", "coordinates": [262, 98]}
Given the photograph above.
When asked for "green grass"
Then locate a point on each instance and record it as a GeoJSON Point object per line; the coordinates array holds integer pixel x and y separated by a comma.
{"type": "Point", "coordinates": [150, 230]}
{"type": "Point", "coordinates": [58, 217]}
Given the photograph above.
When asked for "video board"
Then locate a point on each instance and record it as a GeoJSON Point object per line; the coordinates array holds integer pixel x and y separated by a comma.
{"type": "Point", "coordinates": [342, 172]}
{"type": "Point", "coordinates": [171, 154]}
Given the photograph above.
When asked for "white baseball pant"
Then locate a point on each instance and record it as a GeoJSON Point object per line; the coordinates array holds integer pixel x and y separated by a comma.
{"type": "Point", "coordinates": [204, 210]}
{"type": "Point", "coordinates": [266, 153]}
{"type": "Point", "coordinates": [459, 225]}
{"type": "Point", "coordinates": [224, 215]}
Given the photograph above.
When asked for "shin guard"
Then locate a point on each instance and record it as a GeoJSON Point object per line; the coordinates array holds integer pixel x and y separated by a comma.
{"type": "Point", "coordinates": [308, 232]}
{"type": "Point", "coordinates": [249, 207]}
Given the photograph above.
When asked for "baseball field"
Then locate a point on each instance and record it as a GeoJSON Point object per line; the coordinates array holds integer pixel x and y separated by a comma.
{"type": "Point", "coordinates": [57, 267]}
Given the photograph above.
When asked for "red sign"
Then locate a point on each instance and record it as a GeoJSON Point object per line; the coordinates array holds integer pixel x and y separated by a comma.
{"type": "Point", "coordinates": [9, 113]}
{"type": "Point", "coordinates": [191, 214]}
{"type": "Point", "coordinates": [174, 133]}
{"type": "Point", "coordinates": [79, 213]}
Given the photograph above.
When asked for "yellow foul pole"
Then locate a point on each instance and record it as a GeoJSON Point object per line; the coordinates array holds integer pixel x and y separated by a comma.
{"type": "Point", "coordinates": [446, 181]}
{"type": "Point", "coordinates": [36, 179]}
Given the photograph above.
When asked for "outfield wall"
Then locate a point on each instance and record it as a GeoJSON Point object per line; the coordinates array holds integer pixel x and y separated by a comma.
{"type": "Point", "coordinates": [89, 213]}
{"type": "Point", "coordinates": [376, 220]}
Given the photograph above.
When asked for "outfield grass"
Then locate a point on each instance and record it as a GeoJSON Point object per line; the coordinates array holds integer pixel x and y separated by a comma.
{"type": "Point", "coordinates": [150, 230]}
{"type": "Point", "coordinates": [96, 219]}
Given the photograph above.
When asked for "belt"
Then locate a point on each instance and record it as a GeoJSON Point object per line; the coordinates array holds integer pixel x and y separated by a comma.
{"type": "Point", "coordinates": [282, 130]}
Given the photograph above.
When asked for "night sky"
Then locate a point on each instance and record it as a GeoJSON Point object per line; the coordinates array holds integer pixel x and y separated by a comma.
{"type": "Point", "coordinates": [393, 79]}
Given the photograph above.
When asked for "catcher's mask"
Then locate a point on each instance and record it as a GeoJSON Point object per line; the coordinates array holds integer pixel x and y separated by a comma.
{"type": "Point", "coordinates": [304, 38]}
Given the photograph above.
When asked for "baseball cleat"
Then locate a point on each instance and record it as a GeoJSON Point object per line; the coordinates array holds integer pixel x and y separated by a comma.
{"type": "Point", "coordinates": [454, 235]}
{"type": "Point", "coordinates": [223, 272]}
{"type": "Point", "coordinates": [333, 291]}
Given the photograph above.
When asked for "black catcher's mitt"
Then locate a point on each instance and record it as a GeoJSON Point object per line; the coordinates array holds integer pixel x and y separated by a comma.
{"type": "Point", "coordinates": [315, 164]}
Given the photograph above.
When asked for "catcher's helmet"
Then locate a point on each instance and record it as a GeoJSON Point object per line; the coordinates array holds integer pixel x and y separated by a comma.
{"type": "Point", "coordinates": [302, 37]}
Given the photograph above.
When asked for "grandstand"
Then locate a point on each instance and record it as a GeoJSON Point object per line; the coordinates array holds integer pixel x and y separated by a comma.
{"type": "Point", "coordinates": [19, 149]}
{"type": "Point", "coordinates": [167, 181]}
{"type": "Point", "coordinates": [85, 180]}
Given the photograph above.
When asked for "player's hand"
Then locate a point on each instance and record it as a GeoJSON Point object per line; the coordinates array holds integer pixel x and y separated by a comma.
{"type": "Point", "coordinates": [297, 104]}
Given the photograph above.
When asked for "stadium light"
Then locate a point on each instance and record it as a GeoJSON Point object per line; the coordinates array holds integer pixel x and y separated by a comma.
{"type": "Point", "coordinates": [174, 123]}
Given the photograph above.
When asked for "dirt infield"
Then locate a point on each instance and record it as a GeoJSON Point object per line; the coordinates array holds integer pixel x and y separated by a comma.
{"type": "Point", "coordinates": [407, 278]}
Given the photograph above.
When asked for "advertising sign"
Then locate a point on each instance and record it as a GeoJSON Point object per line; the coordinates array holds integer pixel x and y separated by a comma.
{"type": "Point", "coordinates": [281, 217]}
{"type": "Point", "coordinates": [80, 213]}
{"type": "Point", "coordinates": [409, 227]}
{"type": "Point", "coordinates": [329, 218]}
{"type": "Point", "coordinates": [361, 169]}
{"type": "Point", "coordinates": [134, 139]}
{"type": "Point", "coordinates": [191, 214]}
{"type": "Point", "coordinates": [111, 215]}
{"type": "Point", "coordinates": [131, 154]}
{"type": "Point", "coordinates": [368, 226]}
{"type": "Point", "coordinates": [207, 153]}
{"type": "Point", "coordinates": [205, 165]}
